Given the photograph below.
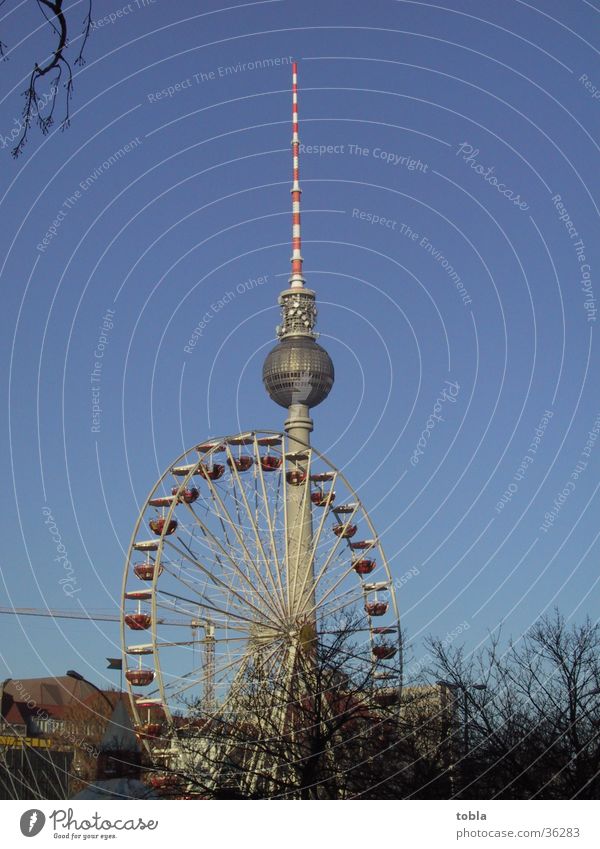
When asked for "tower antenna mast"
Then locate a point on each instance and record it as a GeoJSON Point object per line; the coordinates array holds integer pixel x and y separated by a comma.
{"type": "Point", "coordinates": [296, 280]}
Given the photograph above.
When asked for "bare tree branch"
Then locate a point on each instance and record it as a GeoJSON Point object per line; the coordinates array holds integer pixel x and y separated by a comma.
{"type": "Point", "coordinates": [58, 62]}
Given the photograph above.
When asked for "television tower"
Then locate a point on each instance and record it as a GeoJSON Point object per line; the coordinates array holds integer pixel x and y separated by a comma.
{"type": "Point", "coordinates": [251, 568]}
{"type": "Point", "coordinates": [298, 374]}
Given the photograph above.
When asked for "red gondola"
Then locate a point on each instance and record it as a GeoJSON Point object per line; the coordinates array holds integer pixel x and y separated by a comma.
{"type": "Point", "coordinates": [344, 531]}
{"type": "Point", "coordinates": [149, 730]}
{"type": "Point", "coordinates": [162, 781]}
{"type": "Point", "coordinates": [157, 526]}
{"type": "Point", "coordinates": [362, 543]}
{"type": "Point", "coordinates": [319, 477]}
{"type": "Point", "coordinates": [146, 545]}
{"type": "Point", "coordinates": [384, 651]}
{"type": "Point", "coordinates": [145, 571]}
{"type": "Point", "coordinates": [376, 608]}
{"type": "Point", "coordinates": [242, 464]}
{"type": "Point", "coordinates": [188, 495]}
{"type": "Point", "coordinates": [139, 595]}
{"type": "Point", "coordinates": [140, 677]}
{"type": "Point", "coordinates": [295, 477]}
{"type": "Point", "coordinates": [138, 621]}
{"type": "Point", "coordinates": [205, 447]}
{"type": "Point", "coordinates": [162, 500]}
{"type": "Point", "coordinates": [149, 703]}
{"type": "Point", "coordinates": [269, 463]}
{"type": "Point", "coordinates": [269, 441]}
{"type": "Point", "coordinates": [322, 499]}
{"type": "Point", "coordinates": [247, 439]}
{"type": "Point", "coordinates": [363, 567]}
{"type": "Point", "coordinates": [212, 474]}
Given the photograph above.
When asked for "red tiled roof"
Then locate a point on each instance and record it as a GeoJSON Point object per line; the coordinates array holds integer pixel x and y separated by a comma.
{"type": "Point", "coordinates": [50, 691]}
{"type": "Point", "coordinates": [54, 695]}
{"type": "Point", "coordinates": [16, 714]}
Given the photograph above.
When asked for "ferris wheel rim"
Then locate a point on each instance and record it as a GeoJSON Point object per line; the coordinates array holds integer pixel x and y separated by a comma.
{"type": "Point", "coordinates": [237, 439]}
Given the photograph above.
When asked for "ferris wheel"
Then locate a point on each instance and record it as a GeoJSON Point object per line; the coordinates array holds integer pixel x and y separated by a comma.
{"type": "Point", "coordinates": [217, 582]}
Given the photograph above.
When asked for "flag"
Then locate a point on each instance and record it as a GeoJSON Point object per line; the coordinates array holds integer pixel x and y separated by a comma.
{"type": "Point", "coordinates": [114, 663]}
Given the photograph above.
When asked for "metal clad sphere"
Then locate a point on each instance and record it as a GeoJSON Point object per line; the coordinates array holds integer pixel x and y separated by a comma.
{"type": "Point", "coordinates": [298, 371]}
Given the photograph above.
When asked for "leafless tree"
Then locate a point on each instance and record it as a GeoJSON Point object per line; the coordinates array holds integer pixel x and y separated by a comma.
{"type": "Point", "coordinates": [528, 718]}
{"type": "Point", "coordinates": [518, 719]}
{"type": "Point", "coordinates": [59, 62]}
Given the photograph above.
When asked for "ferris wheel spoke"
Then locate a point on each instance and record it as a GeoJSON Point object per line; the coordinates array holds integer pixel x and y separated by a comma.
{"type": "Point", "coordinates": [274, 667]}
{"type": "Point", "coordinates": [201, 641]}
{"type": "Point", "coordinates": [236, 700]}
{"type": "Point", "coordinates": [279, 505]}
{"type": "Point", "coordinates": [262, 613]}
{"type": "Point", "coordinates": [269, 520]}
{"type": "Point", "coordinates": [236, 690]}
{"type": "Point", "coordinates": [323, 598]}
{"type": "Point", "coordinates": [299, 522]}
{"type": "Point", "coordinates": [220, 709]}
{"type": "Point", "coordinates": [316, 541]}
{"type": "Point", "coordinates": [350, 597]}
{"type": "Point", "coordinates": [204, 604]}
{"type": "Point", "coordinates": [208, 536]}
{"type": "Point", "coordinates": [254, 525]}
{"type": "Point", "coordinates": [223, 667]}
{"type": "Point", "coordinates": [285, 534]}
{"type": "Point", "coordinates": [210, 508]}
{"type": "Point", "coordinates": [269, 718]}
{"type": "Point", "coordinates": [229, 610]}
{"type": "Point", "coordinates": [284, 685]}
{"type": "Point", "coordinates": [199, 679]}
{"type": "Point", "coordinates": [226, 516]}
{"type": "Point", "coordinates": [328, 560]}
{"type": "Point", "coordinates": [194, 616]}
{"type": "Point", "coordinates": [220, 669]}
{"type": "Point", "coordinates": [269, 726]}
{"type": "Point", "coordinates": [248, 559]}
{"type": "Point", "coordinates": [269, 664]}
{"type": "Point", "coordinates": [176, 575]}
{"type": "Point", "coordinates": [207, 603]}
{"type": "Point", "coordinates": [211, 541]}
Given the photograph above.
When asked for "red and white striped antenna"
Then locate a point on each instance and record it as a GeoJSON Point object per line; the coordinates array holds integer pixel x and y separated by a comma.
{"type": "Point", "coordinates": [296, 280]}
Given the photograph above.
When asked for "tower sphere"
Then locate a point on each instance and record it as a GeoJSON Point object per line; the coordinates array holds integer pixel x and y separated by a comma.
{"type": "Point", "coordinates": [298, 371]}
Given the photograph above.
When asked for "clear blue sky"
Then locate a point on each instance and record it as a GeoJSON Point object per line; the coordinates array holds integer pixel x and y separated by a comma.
{"type": "Point", "coordinates": [460, 122]}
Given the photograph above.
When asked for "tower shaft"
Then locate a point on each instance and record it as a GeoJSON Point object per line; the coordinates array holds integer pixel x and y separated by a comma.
{"type": "Point", "coordinates": [300, 573]}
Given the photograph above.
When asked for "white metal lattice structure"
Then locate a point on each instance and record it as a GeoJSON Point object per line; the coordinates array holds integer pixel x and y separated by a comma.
{"type": "Point", "coordinates": [217, 581]}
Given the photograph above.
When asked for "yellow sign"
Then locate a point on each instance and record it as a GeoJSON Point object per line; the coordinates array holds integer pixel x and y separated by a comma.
{"type": "Point", "coordinates": [35, 742]}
